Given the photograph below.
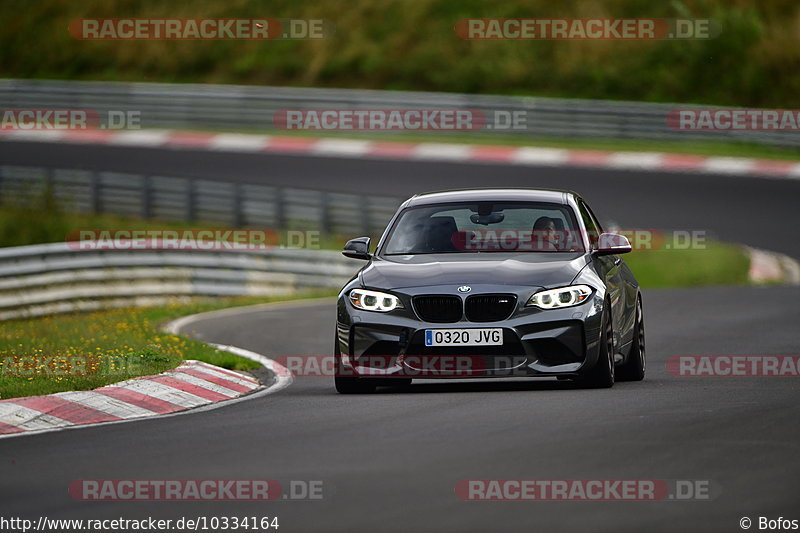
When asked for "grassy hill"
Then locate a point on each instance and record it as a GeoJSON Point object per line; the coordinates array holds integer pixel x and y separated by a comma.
{"type": "Point", "coordinates": [411, 44]}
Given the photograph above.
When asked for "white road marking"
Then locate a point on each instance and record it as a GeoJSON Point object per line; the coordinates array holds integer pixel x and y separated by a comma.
{"type": "Point", "coordinates": [244, 382]}
{"type": "Point", "coordinates": [340, 147]}
{"type": "Point", "coordinates": [237, 142]}
{"type": "Point", "coordinates": [165, 392]}
{"type": "Point", "coordinates": [636, 160]}
{"type": "Point", "coordinates": [26, 418]}
{"type": "Point", "coordinates": [140, 137]}
{"type": "Point", "coordinates": [729, 165]}
{"type": "Point", "coordinates": [441, 151]}
{"type": "Point", "coordinates": [540, 156]}
{"type": "Point", "coordinates": [105, 404]}
{"type": "Point", "coordinates": [213, 387]}
{"type": "Point", "coordinates": [36, 135]}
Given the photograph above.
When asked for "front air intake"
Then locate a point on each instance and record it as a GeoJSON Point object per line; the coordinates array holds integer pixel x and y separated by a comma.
{"type": "Point", "coordinates": [490, 307]}
{"type": "Point", "coordinates": [438, 308]}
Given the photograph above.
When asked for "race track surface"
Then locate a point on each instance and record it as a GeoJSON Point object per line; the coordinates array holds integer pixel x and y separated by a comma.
{"type": "Point", "coordinates": [760, 212]}
{"type": "Point", "coordinates": [390, 461]}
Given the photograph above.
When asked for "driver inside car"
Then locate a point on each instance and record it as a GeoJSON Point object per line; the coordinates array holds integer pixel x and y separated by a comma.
{"type": "Point", "coordinates": [545, 234]}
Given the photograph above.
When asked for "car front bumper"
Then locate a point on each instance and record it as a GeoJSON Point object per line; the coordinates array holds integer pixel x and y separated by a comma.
{"type": "Point", "coordinates": [558, 342]}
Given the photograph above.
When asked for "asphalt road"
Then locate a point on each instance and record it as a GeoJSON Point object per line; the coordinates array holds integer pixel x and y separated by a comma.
{"type": "Point", "coordinates": [390, 461]}
{"type": "Point", "coordinates": [760, 212]}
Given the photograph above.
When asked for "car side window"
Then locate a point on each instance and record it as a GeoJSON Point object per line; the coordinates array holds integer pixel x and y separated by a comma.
{"type": "Point", "coordinates": [594, 218]}
{"type": "Point", "coordinates": [592, 227]}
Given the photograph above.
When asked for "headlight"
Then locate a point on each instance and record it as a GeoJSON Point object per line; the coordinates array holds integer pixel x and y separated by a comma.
{"type": "Point", "coordinates": [374, 300]}
{"type": "Point", "coordinates": [562, 297]}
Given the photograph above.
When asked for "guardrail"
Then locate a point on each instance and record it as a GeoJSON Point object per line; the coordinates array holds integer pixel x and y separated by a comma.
{"type": "Point", "coordinates": [52, 278]}
{"type": "Point", "coordinates": [235, 107]}
{"type": "Point", "coordinates": [199, 200]}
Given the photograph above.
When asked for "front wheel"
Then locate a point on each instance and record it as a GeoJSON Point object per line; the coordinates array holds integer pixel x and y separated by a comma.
{"type": "Point", "coordinates": [634, 367]}
{"type": "Point", "coordinates": [601, 376]}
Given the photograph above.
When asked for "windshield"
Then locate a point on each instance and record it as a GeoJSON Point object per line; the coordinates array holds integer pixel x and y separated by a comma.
{"type": "Point", "coordinates": [484, 227]}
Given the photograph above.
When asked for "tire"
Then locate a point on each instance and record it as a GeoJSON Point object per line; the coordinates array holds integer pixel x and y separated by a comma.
{"type": "Point", "coordinates": [634, 367]}
{"type": "Point", "coordinates": [353, 385]}
{"type": "Point", "coordinates": [601, 376]}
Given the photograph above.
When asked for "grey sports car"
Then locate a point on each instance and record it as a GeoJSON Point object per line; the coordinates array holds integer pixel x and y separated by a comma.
{"type": "Point", "coordinates": [490, 283]}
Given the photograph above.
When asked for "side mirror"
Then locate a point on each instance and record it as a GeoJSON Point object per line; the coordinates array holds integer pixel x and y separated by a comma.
{"type": "Point", "coordinates": [611, 243]}
{"type": "Point", "coordinates": [357, 248]}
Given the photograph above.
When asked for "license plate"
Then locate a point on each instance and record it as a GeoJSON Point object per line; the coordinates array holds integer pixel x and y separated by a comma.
{"type": "Point", "coordinates": [464, 337]}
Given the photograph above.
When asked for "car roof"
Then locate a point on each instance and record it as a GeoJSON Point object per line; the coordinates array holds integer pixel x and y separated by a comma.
{"type": "Point", "coordinates": [491, 194]}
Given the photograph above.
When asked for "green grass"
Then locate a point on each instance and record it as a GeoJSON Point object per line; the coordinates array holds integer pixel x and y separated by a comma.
{"type": "Point", "coordinates": [39, 221]}
{"type": "Point", "coordinates": [38, 218]}
{"type": "Point", "coordinates": [83, 351]}
{"type": "Point", "coordinates": [412, 45]}
{"type": "Point", "coordinates": [717, 264]}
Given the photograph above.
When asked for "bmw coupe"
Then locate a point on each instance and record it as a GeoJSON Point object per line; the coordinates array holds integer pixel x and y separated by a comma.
{"type": "Point", "coordinates": [490, 283]}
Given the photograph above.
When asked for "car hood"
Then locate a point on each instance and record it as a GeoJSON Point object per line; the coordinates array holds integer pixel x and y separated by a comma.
{"type": "Point", "coordinates": [530, 269]}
